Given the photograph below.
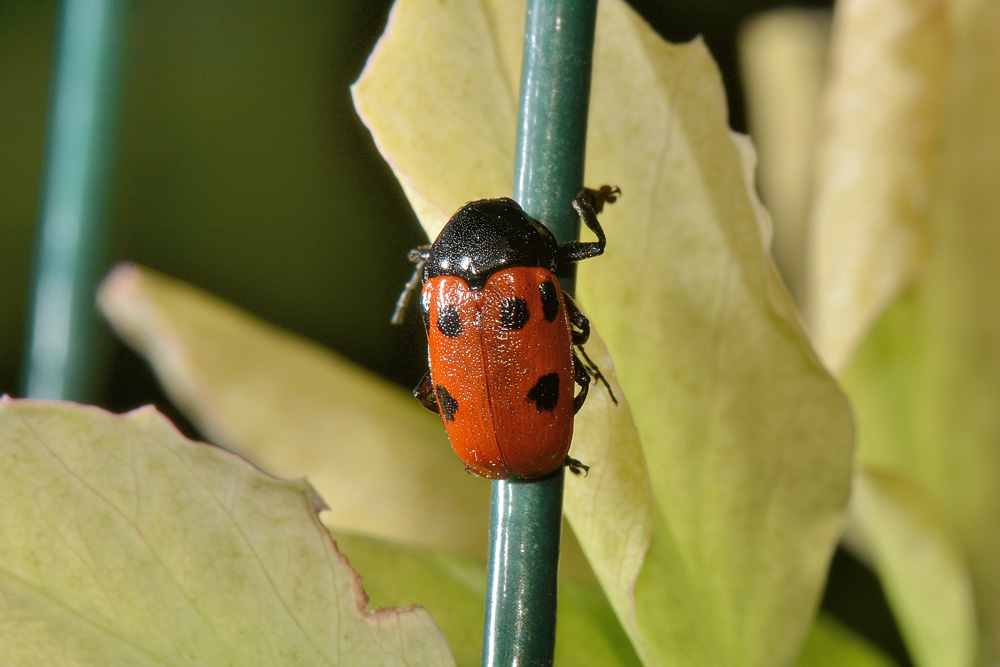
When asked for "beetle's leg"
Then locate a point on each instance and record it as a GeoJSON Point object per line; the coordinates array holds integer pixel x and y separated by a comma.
{"type": "Point", "coordinates": [419, 257]}
{"type": "Point", "coordinates": [424, 392]}
{"type": "Point", "coordinates": [580, 321]}
{"type": "Point", "coordinates": [582, 377]}
{"type": "Point", "coordinates": [576, 467]}
{"type": "Point", "coordinates": [588, 204]}
{"type": "Point", "coordinates": [606, 194]}
{"type": "Point", "coordinates": [596, 372]}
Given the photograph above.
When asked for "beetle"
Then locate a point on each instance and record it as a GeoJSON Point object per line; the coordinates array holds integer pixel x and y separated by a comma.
{"type": "Point", "coordinates": [501, 335]}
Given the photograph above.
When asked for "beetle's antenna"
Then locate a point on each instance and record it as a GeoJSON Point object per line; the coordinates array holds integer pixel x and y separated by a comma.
{"type": "Point", "coordinates": [419, 257]}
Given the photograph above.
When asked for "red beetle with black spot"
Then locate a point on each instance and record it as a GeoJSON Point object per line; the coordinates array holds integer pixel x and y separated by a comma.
{"type": "Point", "coordinates": [501, 333]}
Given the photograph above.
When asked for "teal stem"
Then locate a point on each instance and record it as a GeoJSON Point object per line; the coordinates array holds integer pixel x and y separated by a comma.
{"type": "Point", "coordinates": [526, 520]}
{"type": "Point", "coordinates": [69, 237]}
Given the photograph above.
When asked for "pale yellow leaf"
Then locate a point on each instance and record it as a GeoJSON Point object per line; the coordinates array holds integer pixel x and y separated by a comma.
{"type": "Point", "coordinates": [123, 543]}
{"type": "Point", "coordinates": [747, 439]}
{"type": "Point", "coordinates": [465, 89]}
{"type": "Point", "coordinates": [877, 158]}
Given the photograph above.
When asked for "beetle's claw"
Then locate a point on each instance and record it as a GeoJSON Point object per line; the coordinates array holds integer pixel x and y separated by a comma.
{"type": "Point", "coordinates": [576, 467]}
{"type": "Point", "coordinates": [606, 194]}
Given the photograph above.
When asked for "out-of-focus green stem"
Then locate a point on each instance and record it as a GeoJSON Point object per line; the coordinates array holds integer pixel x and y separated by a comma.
{"type": "Point", "coordinates": [520, 618]}
{"type": "Point", "coordinates": [68, 241]}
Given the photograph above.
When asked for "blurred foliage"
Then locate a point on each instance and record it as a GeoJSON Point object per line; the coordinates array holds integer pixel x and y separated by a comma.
{"type": "Point", "coordinates": [124, 543]}
{"type": "Point", "coordinates": [900, 297]}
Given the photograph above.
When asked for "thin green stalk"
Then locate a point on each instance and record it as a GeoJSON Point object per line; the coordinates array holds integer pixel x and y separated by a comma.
{"type": "Point", "coordinates": [520, 618]}
{"type": "Point", "coordinates": [68, 241]}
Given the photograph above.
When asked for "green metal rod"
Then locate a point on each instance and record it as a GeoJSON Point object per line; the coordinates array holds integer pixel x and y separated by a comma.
{"type": "Point", "coordinates": [69, 238]}
{"type": "Point", "coordinates": [526, 520]}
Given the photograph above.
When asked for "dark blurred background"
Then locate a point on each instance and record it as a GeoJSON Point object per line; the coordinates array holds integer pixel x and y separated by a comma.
{"type": "Point", "coordinates": [241, 167]}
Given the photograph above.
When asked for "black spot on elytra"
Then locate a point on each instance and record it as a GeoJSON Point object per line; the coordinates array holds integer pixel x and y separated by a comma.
{"type": "Point", "coordinates": [545, 393]}
{"type": "Point", "coordinates": [550, 300]}
{"type": "Point", "coordinates": [449, 323]}
{"type": "Point", "coordinates": [446, 403]}
{"type": "Point", "coordinates": [513, 313]}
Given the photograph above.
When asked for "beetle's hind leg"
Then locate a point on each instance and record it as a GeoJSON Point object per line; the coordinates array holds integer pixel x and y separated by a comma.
{"type": "Point", "coordinates": [581, 334]}
{"type": "Point", "coordinates": [581, 325]}
{"type": "Point", "coordinates": [582, 378]}
{"type": "Point", "coordinates": [592, 369]}
{"type": "Point", "coordinates": [419, 257]}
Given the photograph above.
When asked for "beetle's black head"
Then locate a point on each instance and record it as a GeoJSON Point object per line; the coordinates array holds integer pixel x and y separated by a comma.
{"type": "Point", "coordinates": [486, 236]}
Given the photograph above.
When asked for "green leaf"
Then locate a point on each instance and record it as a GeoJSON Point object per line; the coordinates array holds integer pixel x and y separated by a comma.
{"type": "Point", "coordinates": [123, 543]}
{"type": "Point", "coordinates": [830, 644]}
{"type": "Point", "coordinates": [296, 409]}
{"type": "Point", "coordinates": [713, 506]}
{"type": "Point", "coordinates": [920, 562]}
{"type": "Point", "coordinates": [451, 588]}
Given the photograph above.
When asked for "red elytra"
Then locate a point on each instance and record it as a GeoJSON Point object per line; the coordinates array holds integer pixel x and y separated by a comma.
{"type": "Point", "coordinates": [502, 369]}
